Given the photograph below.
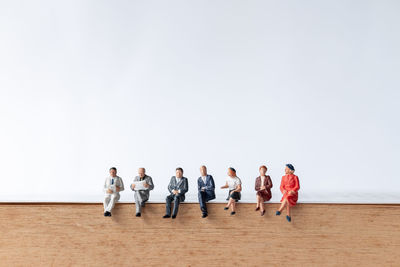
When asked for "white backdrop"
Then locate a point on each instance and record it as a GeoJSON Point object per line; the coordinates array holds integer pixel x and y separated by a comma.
{"type": "Point", "coordinates": [86, 85]}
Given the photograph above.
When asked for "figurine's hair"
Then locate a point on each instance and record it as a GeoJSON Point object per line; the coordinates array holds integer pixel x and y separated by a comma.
{"type": "Point", "coordinates": [263, 167]}
{"type": "Point", "coordinates": [113, 168]}
{"type": "Point", "coordinates": [232, 169]}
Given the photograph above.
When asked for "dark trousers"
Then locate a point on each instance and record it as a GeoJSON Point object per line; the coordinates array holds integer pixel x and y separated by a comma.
{"type": "Point", "coordinates": [176, 199]}
{"type": "Point", "coordinates": [202, 201]}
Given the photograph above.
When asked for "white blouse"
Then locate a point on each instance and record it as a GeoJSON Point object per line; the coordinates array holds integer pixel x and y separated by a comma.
{"type": "Point", "coordinates": [233, 182]}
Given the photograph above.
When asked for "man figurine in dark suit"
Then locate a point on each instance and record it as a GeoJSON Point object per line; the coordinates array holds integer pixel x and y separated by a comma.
{"type": "Point", "coordinates": [206, 189]}
{"type": "Point", "coordinates": [178, 186]}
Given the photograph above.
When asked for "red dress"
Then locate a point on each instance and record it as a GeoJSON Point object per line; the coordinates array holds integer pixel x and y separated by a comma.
{"type": "Point", "coordinates": [289, 183]}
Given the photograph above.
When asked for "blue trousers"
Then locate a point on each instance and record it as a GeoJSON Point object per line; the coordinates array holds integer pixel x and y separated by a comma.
{"type": "Point", "coordinates": [172, 198]}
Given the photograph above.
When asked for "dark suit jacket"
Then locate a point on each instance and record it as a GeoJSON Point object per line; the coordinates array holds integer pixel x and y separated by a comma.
{"type": "Point", "coordinates": [183, 186]}
{"type": "Point", "coordinates": [209, 185]}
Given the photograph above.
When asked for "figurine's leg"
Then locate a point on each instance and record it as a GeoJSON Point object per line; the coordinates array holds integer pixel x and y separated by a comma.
{"type": "Point", "coordinates": [233, 204]}
{"type": "Point", "coordinates": [258, 201]}
{"type": "Point", "coordinates": [261, 204]}
{"type": "Point", "coordinates": [284, 203]}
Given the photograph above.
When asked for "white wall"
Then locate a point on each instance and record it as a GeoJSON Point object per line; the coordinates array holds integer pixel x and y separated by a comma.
{"type": "Point", "coordinates": [86, 85]}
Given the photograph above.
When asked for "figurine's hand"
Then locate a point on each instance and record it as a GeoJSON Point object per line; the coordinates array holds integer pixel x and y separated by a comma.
{"type": "Point", "coordinates": [133, 186]}
{"type": "Point", "coordinates": [109, 191]}
{"type": "Point", "coordinates": [146, 185]}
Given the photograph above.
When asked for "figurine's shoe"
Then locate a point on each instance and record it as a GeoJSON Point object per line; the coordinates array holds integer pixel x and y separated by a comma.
{"type": "Point", "coordinates": [278, 213]}
{"type": "Point", "coordinates": [138, 214]}
{"type": "Point", "coordinates": [226, 208]}
{"type": "Point", "coordinates": [173, 216]}
{"type": "Point", "coordinates": [258, 208]}
{"type": "Point", "coordinates": [166, 216]}
{"type": "Point", "coordinates": [204, 215]}
{"type": "Point", "coordinates": [262, 213]}
{"type": "Point", "coordinates": [288, 218]}
{"type": "Point", "coordinates": [233, 213]}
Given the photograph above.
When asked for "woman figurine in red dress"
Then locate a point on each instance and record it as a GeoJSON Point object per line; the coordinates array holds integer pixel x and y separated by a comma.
{"type": "Point", "coordinates": [263, 187]}
{"type": "Point", "coordinates": [289, 187]}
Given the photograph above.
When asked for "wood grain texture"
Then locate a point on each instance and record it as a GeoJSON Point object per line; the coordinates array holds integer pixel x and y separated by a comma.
{"type": "Point", "coordinates": [79, 235]}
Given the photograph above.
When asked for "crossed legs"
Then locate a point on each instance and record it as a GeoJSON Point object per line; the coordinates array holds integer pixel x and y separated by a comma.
{"type": "Point", "coordinates": [260, 203]}
{"type": "Point", "coordinates": [285, 203]}
{"type": "Point", "coordinates": [231, 204]}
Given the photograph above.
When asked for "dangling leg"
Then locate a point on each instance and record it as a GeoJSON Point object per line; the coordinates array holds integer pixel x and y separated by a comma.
{"type": "Point", "coordinates": [168, 201]}
{"type": "Point", "coordinates": [233, 206]}
{"type": "Point", "coordinates": [283, 204]}
{"type": "Point", "coordinates": [288, 212]}
{"type": "Point", "coordinates": [175, 209]}
{"type": "Point", "coordinates": [229, 203]}
{"type": "Point", "coordinates": [261, 205]}
{"type": "Point", "coordinates": [107, 199]}
{"type": "Point", "coordinates": [258, 202]}
{"type": "Point", "coordinates": [138, 204]}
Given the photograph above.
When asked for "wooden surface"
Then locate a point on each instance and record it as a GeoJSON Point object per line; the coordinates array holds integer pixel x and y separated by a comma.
{"type": "Point", "coordinates": [79, 235]}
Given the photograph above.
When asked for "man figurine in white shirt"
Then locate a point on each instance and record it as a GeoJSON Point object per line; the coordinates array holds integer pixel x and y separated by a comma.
{"type": "Point", "coordinates": [112, 186]}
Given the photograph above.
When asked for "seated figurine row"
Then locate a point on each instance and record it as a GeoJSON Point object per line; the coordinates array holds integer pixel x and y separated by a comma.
{"type": "Point", "coordinates": [179, 186]}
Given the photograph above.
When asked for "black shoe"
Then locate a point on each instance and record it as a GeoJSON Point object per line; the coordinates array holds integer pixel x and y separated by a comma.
{"type": "Point", "coordinates": [138, 214]}
{"type": "Point", "coordinates": [166, 216]}
{"type": "Point", "coordinates": [107, 214]}
{"type": "Point", "coordinates": [233, 213]}
{"type": "Point", "coordinates": [204, 215]}
{"type": "Point", "coordinates": [226, 208]}
{"type": "Point", "coordinates": [173, 216]}
{"type": "Point", "coordinates": [143, 204]}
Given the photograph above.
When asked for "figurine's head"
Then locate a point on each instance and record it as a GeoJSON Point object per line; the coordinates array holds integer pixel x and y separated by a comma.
{"type": "Point", "coordinates": [289, 169]}
{"type": "Point", "coordinates": [263, 169]}
{"type": "Point", "coordinates": [203, 170]}
{"type": "Point", "coordinates": [113, 171]}
{"type": "Point", "coordinates": [179, 172]}
{"type": "Point", "coordinates": [231, 172]}
{"type": "Point", "coordinates": [142, 172]}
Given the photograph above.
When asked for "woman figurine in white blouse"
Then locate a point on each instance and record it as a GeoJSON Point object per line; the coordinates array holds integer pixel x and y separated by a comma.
{"type": "Point", "coordinates": [235, 187]}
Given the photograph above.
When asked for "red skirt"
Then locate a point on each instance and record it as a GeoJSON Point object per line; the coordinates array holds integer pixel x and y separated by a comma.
{"type": "Point", "coordinates": [264, 194]}
{"type": "Point", "coordinates": [292, 199]}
